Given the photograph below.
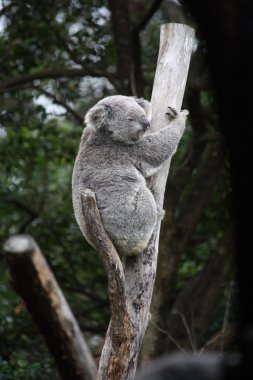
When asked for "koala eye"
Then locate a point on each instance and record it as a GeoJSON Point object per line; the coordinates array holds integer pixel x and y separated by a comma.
{"type": "Point", "coordinates": [130, 118]}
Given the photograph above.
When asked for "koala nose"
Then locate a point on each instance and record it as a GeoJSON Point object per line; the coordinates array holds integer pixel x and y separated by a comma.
{"type": "Point", "coordinates": [144, 123]}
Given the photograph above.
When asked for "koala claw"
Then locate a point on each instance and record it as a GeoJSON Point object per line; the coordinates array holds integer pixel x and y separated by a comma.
{"type": "Point", "coordinates": [172, 112]}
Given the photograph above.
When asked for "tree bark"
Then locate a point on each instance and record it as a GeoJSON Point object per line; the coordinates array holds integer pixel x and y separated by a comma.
{"type": "Point", "coordinates": [131, 286]}
{"type": "Point", "coordinates": [35, 283]}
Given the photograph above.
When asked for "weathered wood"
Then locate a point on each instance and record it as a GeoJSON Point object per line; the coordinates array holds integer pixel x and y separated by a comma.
{"type": "Point", "coordinates": [118, 345]}
{"type": "Point", "coordinates": [35, 283]}
{"type": "Point", "coordinates": [176, 41]}
{"type": "Point", "coordinates": [130, 290]}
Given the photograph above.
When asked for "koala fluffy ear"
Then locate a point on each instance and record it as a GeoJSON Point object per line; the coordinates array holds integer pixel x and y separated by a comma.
{"type": "Point", "coordinates": [144, 104]}
{"type": "Point", "coordinates": [97, 116]}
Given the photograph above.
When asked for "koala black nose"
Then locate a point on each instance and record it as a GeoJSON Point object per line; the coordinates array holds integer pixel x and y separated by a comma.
{"type": "Point", "coordinates": [144, 123]}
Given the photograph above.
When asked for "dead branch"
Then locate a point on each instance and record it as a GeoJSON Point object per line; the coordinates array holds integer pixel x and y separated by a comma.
{"type": "Point", "coordinates": [36, 284]}
{"type": "Point", "coordinates": [120, 332]}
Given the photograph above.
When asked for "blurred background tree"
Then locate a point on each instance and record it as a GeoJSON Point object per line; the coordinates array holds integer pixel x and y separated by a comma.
{"type": "Point", "coordinates": [57, 59]}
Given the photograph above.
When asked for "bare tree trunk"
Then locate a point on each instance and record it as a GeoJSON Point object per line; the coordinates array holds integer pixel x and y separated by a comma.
{"type": "Point", "coordinates": [35, 283]}
{"type": "Point", "coordinates": [131, 286]}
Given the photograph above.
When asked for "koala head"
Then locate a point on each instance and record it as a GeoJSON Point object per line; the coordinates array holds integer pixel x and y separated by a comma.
{"type": "Point", "coordinates": [123, 118]}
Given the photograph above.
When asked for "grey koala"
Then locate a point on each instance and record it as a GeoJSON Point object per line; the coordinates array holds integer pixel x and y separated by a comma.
{"type": "Point", "coordinates": [116, 155]}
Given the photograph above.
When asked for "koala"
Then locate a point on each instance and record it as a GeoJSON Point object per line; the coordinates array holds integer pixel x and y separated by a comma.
{"type": "Point", "coordinates": [116, 154]}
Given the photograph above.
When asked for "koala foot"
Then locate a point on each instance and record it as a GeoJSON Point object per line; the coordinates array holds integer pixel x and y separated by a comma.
{"type": "Point", "coordinates": [160, 214]}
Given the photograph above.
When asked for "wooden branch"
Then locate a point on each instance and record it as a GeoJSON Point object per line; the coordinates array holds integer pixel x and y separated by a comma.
{"type": "Point", "coordinates": [105, 247]}
{"type": "Point", "coordinates": [50, 74]}
{"type": "Point", "coordinates": [119, 337]}
{"type": "Point", "coordinates": [35, 283]}
{"type": "Point", "coordinates": [130, 291]}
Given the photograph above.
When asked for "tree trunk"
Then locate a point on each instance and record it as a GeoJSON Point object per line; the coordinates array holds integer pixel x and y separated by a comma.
{"type": "Point", "coordinates": [136, 280]}
{"type": "Point", "coordinates": [130, 283]}
{"type": "Point", "coordinates": [35, 283]}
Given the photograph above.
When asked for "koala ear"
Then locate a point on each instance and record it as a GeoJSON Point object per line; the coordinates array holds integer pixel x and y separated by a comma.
{"type": "Point", "coordinates": [96, 117]}
{"type": "Point", "coordinates": [144, 104]}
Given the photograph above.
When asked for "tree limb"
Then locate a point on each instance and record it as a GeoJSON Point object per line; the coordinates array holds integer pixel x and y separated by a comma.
{"type": "Point", "coordinates": [35, 283]}
{"type": "Point", "coordinates": [106, 249]}
{"type": "Point", "coordinates": [120, 332]}
{"type": "Point", "coordinates": [8, 84]}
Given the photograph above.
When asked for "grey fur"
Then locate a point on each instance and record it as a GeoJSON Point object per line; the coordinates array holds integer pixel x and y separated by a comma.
{"type": "Point", "coordinates": [115, 156]}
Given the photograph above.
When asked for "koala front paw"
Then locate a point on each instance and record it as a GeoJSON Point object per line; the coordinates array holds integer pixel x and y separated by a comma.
{"type": "Point", "coordinates": [174, 114]}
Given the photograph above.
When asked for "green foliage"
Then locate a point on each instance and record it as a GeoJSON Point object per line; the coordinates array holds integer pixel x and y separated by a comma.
{"type": "Point", "coordinates": [37, 152]}
{"type": "Point", "coordinates": [19, 367]}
